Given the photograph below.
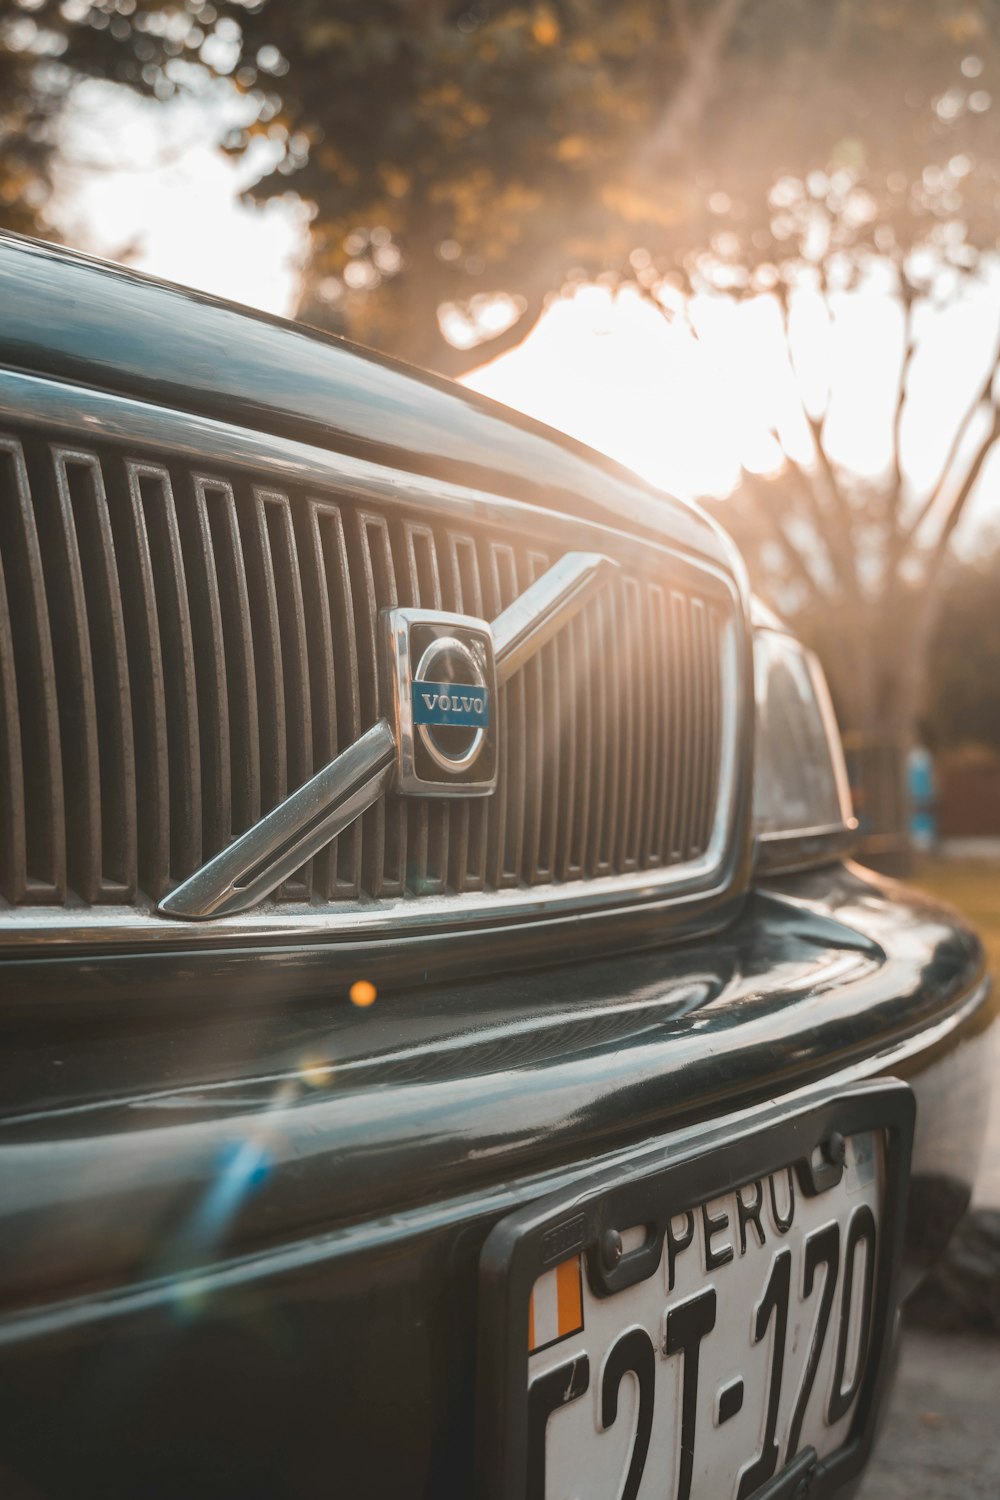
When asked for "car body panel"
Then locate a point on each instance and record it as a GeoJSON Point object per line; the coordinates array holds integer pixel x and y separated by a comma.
{"type": "Point", "coordinates": [109, 328]}
{"type": "Point", "coordinates": [240, 1217]}
{"type": "Point", "coordinates": [247, 1277]}
{"type": "Point", "coordinates": [97, 354]}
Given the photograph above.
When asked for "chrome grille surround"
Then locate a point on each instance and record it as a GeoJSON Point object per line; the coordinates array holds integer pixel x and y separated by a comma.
{"type": "Point", "coordinates": [212, 597]}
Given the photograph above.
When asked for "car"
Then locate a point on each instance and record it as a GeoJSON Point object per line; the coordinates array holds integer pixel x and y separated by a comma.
{"type": "Point", "coordinates": [448, 1049]}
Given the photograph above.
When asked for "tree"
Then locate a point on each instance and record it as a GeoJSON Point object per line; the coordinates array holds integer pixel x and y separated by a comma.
{"type": "Point", "coordinates": [855, 559]}
{"type": "Point", "coordinates": [30, 99]}
{"type": "Point", "coordinates": [962, 699]}
{"type": "Point", "coordinates": [460, 160]}
{"type": "Point", "coordinates": [465, 159]}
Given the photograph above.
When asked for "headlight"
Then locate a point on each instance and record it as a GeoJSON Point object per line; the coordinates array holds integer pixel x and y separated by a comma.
{"type": "Point", "coordinates": [801, 801]}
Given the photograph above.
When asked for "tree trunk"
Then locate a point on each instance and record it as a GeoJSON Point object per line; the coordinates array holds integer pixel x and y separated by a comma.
{"type": "Point", "coordinates": [883, 722]}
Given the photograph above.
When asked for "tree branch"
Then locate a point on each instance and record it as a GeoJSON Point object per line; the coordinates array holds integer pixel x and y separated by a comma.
{"type": "Point", "coordinates": [816, 426]}
{"type": "Point", "coordinates": [806, 492]}
{"type": "Point", "coordinates": [907, 686]}
{"type": "Point", "coordinates": [894, 531]}
{"type": "Point", "coordinates": [763, 496]}
{"type": "Point", "coordinates": [840, 520]}
{"type": "Point", "coordinates": [909, 350]}
{"type": "Point", "coordinates": [834, 526]}
{"type": "Point", "coordinates": [824, 292]}
{"type": "Point", "coordinates": [965, 489]}
{"type": "Point", "coordinates": [681, 17]}
{"type": "Point", "coordinates": [446, 359]}
{"type": "Point", "coordinates": [688, 103]}
{"type": "Point", "coordinates": [840, 26]}
{"type": "Point", "coordinates": [983, 394]}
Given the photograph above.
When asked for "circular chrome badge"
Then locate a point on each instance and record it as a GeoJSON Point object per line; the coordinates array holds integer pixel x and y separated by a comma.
{"type": "Point", "coordinates": [449, 663]}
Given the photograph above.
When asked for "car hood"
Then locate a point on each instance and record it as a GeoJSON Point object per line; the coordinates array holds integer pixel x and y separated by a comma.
{"type": "Point", "coordinates": [71, 317]}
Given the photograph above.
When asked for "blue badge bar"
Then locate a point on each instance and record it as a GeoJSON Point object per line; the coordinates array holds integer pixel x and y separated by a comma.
{"type": "Point", "coordinates": [457, 703]}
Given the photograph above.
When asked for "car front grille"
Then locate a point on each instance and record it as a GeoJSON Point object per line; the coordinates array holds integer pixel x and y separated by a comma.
{"type": "Point", "coordinates": [182, 644]}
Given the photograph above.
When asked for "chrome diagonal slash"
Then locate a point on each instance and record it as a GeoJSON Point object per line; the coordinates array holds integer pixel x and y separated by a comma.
{"type": "Point", "coordinates": [307, 820]}
{"type": "Point", "coordinates": [292, 833]}
{"type": "Point", "coordinates": [543, 609]}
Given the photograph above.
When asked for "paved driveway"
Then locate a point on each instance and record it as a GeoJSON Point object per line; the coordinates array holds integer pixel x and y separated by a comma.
{"type": "Point", "coordinates": [941, 1438]}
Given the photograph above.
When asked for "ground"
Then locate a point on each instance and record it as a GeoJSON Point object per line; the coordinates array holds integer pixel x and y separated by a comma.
{"type": "Point", "coordinates": [941, 1438]}
{"type": "Point", "coordinates": [971, 885]}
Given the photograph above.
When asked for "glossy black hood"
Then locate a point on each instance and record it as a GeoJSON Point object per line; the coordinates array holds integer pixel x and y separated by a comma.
{"type": "Point", "coordinates": [68, 316]}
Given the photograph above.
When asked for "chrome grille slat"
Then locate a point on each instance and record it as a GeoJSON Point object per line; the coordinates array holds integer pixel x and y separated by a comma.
{"type": "Point", "coordinates": [679, 679]}
{"type": "Point", "coordinates": [322, 546]}
{"type": "Point", "coordinates": [606, 715]}
{"type": "Point", "coordinates": [267, 658]}
{"type": "Point", "coordinates": [241, 708]}
{"type": "Point", "coordinates": [654, 798]}
{"type": "Point", "coordinates": [218, 641]}
{"type": "Point", "coordinates": [577, 719]}
{"type": "Point", "coordinates": [543, 868]}
{"type": "Point", "coordinates": [169, 837]}
{"type": "Point", "coordinates": [699, 630]}
{"type": "Point", "coordinates": [384, 836]}
{"type": "Point", "coordinates": [691, 728]}
{"type": "Point", "coordinates": [212, 669]}
{"type": "Point", "coordinates": [617, 786]}
{"type": "Point", "coordinates": [274, 516]}
{"type": "Point", "coordinates": [428, 819]}
{"type": "Point", "coordinates": [336, 710]}
{"type": "Point", "coordinates": [506, 827]}
{"type": "Point", "coordinates": [535, 867]}
{"type": "Point", "coordinates": [13, 870]}
{"type": "Point", "coordinates": [715, 728]}
{"type": "Point", "coordinates": [71, 652]}
{"type": "Point", "coordinates": [409, 593]}
{"type": "Point", "coordinates": [467, 820]}
{"type": "Point", "coordinates": [43, 873]}
{"type": "Point", "coordinates": [277, 533]}
{"type": "Point", "coordinates": [155, 491]}
{"type": "Point", "coordinates": [633, 725]}
{"type": "Point", "coordinates": [146, 680]}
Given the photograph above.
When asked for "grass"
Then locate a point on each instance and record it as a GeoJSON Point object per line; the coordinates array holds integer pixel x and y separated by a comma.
{"type": "Point", "coordinates": [971, 885]}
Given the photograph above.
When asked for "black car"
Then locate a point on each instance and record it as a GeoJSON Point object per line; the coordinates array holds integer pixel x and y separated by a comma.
{"type": "Point", "coordinates": [445, 1052]}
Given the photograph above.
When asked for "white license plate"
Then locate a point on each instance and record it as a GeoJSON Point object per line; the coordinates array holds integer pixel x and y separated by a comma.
{"type": "Point", "coordinates": [711, 1347]}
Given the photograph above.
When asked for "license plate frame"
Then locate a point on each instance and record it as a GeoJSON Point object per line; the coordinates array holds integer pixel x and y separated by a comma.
{"type": "Point", "coordinates": [684, 1174]}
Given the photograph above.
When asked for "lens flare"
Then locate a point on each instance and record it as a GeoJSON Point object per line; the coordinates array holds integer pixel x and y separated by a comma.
{"type": "Point", "coordinates": [315, 1072]}
{"type": "Point", "coordinates": [363, 993]}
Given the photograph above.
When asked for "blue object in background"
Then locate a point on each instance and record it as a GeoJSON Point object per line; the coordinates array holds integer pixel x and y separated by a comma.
{"type": "Point", "coordinates": [921, 797]}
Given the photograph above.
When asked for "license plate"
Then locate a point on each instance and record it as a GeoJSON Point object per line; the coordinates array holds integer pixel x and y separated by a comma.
{"type": "Point", "coordinates": [710, 1322]}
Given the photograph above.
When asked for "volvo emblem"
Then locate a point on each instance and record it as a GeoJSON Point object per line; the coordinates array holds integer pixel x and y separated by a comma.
{"type": "Point", "coordinates": [451, 703]}
{"type": "Point", "coordinates": [443, 679]}
{"type": "Point", "coordinates": [439, 738]}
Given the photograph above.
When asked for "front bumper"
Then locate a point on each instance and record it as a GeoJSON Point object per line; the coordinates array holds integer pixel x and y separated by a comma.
{"type": "Point", "coordinates": [241, 1242]}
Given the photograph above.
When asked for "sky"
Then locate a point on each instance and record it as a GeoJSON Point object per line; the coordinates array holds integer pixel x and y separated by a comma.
{"type": "Point", "coordinates": [683, 402]}
{"type": "Point", "coordinates": [148, 183]}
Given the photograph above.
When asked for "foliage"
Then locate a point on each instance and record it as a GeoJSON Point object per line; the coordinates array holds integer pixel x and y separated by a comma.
{"type": "Point", "coordinates": [30, 98]}
{"type": "Point", "coordinates": [465, 159]}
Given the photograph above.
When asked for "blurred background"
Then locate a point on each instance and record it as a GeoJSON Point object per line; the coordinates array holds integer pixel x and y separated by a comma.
{"type": "Point", "coordinates": [748, 247]}
{"type": "Point", "coordinates": [751, 248]}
